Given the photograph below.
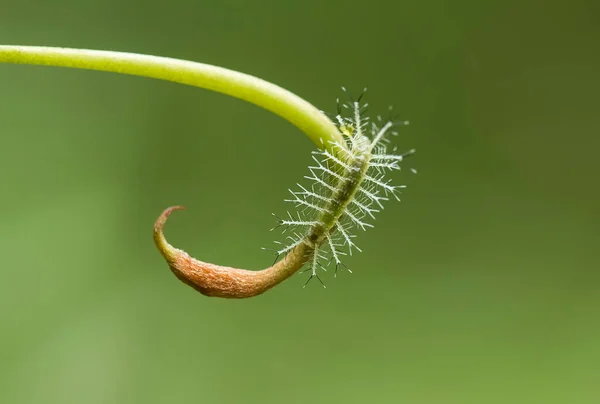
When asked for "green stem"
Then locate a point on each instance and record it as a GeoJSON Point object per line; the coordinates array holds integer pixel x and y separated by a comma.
{"type": "Point", "coordinates": [299, 112]}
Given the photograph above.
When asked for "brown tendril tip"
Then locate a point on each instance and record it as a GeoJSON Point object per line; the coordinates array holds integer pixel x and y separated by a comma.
{"type": "Point", "coordinates": [219, 281]}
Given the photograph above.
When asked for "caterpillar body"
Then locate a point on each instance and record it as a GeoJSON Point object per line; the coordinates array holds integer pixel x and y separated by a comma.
{"type": "Point", "coordinates": [349, 186]}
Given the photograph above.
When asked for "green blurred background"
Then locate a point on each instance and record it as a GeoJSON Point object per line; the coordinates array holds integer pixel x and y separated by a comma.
{"type": "Point", "coordinates": [482, 286]}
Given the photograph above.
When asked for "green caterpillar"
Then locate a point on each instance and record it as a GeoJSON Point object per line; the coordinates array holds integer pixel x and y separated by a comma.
{"type": "Point", "coordinates": [348, 188]}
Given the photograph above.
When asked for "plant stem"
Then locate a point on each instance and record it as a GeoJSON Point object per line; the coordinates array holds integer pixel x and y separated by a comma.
{"type": "Point", "coordinates": [208, 279]}
{"type": "Point", "coordinates": [282, 102]}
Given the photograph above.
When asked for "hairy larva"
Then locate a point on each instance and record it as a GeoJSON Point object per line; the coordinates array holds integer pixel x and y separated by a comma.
{"type": "Point", "coordinates": [348, 185]}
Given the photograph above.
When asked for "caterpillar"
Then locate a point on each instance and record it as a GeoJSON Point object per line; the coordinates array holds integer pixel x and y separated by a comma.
{"type": "Point", "coordinates": [349, 186]}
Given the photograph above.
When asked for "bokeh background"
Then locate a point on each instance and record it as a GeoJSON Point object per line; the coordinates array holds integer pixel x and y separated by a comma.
{"type": "Point", "coordinates": [482, 286]}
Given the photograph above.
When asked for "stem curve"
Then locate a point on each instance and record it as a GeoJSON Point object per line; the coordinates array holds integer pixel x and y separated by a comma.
{"type": "Point", "coordinates": [208, 279]}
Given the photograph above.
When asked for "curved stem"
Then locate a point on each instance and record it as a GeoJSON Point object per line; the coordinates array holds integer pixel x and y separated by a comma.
{"type": "Point", "coordinates": [282, 102]}
{"type": "Point", "coordinates": [208, 279]}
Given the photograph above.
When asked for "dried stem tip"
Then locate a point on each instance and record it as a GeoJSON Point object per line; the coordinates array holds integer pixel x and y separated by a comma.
{"type": "Point", "coordinates": [214, 280]}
